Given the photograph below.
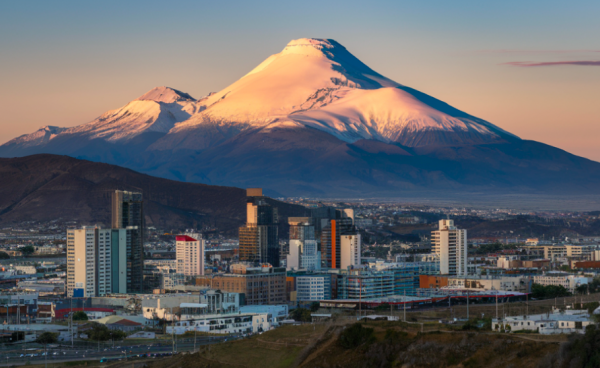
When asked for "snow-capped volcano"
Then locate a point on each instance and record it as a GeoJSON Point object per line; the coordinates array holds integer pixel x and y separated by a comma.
{"type": "Point", "coordinates": [318, 83]}
{"type": "Point", "coordinates": [313, 120]}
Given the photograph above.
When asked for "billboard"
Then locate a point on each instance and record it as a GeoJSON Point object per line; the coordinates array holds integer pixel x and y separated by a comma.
{"type": "Point", "coordinates": [77, 293]}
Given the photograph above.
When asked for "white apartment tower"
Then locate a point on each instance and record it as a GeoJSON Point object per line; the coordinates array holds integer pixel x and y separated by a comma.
{"type": "Point", "coordinates": [88, 261]}
{"type": "Point", "coordinates": [350, 250]}
{"type": "Point", "coordinates": [97, 261]}
{"type": "Point", "coordinates": [450, 244]}
{"type": "Point", "coordinates": [190, 255]}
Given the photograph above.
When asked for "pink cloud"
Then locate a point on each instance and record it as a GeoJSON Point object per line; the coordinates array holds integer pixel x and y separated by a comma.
{"type": "Point", "coordinates": [508, 51]}
{"type": "Point", "coordinates": [552, 63]}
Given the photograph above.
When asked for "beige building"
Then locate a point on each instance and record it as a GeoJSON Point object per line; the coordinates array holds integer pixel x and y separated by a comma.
{"type": "Point", "coordinates": [569, 282]}
{"type": "Point", "coordinates": [583, 252]}
{"type": "Point", "coordinates": [479, 283]}
{"type": "Point", "coordinates": [260, 285]}
{"type": "Point", "coordinates": [81, 260]}
{"type": "Point", "coordinates": [350, 250]}
{"type": "Point", "coordinates": [450, 244]}
{"type": "Point", "coordinates": [190, 255]}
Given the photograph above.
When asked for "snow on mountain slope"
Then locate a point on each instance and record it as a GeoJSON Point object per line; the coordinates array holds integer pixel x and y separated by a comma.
{"type": "Point", "coordinates": [312, 82]}
{"type": "Point", "coordinates": [156, 111]}
{"type": "Point", "coordinates": [395, 115]}
{"type": "Point", "coordinates": [306, 74]}
{"type": "Point", "coordinates": [40, 136]}
{"type": "Point", "coordinates": [318, 83]}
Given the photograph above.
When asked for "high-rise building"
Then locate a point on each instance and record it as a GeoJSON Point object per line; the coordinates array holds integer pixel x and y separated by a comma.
{"type": "Point", "coordinates": [190, 255]}
{"type": "Point", "coordinates": [81, 262]}
{"type": "Point", "coordinates": [331, 233]}
{"type": "Point", "coordinates": [450, 244]}
{"type": "Point", "coordinates": [95, 261]}
{"type": "Point", "coordinates": [128, 213]}
{"type": "Point", "coordinates": [303, 248]}
{"type": "Point", "coordinates": [350, 250]}
{"type": "Point", "coordinates": [259, 239]}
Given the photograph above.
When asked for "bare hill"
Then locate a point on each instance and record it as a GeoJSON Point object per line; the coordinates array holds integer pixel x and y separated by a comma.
{"type": "Point", "coordinates": [48, 187]}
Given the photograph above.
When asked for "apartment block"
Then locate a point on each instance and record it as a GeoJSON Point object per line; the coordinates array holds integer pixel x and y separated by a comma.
{"type": "Point", "coordinates": [350, 250]}
{"type": "Point", "coordinates": [313, 287]}
{"type": "Point", "coordinates": [190, 255]}
{"type": "Point", "coordinates": [96, 261]}
{"type": "Point", "coordinates": [450, 244]}
{"type": "Point", "coordinates": [260, 285]}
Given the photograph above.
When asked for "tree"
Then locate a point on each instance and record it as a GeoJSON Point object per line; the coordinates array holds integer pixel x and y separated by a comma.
{"type": "Point", "coordinates": [384, 307]}
{"type": "Point", "coordinates": [301, 315]}
{"type": "Point", "coordinates": [356, 335]}
{"type": "Point", "coordinates": [47, 338]}
{"type": "Point", "coordinates": [27, 250]}
{"type": "Point", "coordinates": [4, 255]}
{"type": "Point", "coordinates": [314, 306]}
{"type": "Point", "coordinates": [550, 291]}
{"type": "Point", "coordinates": [99, 332]}
{"type": "Point", "coordinates": [80, 316]}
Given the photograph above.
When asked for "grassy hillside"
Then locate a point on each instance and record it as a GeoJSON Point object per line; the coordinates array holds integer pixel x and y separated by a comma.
{"type": "Point", "coordinates": [389, 344]}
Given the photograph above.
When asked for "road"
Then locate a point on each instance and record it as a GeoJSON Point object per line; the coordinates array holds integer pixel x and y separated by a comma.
{"type": "Point", "coordinates": [18, 355]}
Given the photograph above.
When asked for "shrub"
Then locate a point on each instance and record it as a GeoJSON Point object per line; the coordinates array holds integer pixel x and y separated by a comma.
{"type": "Point", "coordinates": [394, 336]}
{"type": "Point", "coordinates": [355, 336]}
{"type": "Point", "coordinates": [80, 316]}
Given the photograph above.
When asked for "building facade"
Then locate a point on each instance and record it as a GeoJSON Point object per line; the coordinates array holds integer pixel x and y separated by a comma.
{"type": "Point", "coordinates": [332, 231]}
{"type": "Point", "coordinates": [303, 248]}
{"type": "Point", "coordinates": [313, 287]}
{"type": "Point", "coordinates": [569, 282]}
{"type": "Point", "coordinates": [190, 255]}
{"type": "Point", "coordinates": [350, 250]}
{"type": "Point", "coordinates": [96, 261]}
{"type": "Point", "coordinates": [259, 239]}
{"type": "Point", "coordinates": [260, 285]}
{"type": "Point", "coordinates": [128, 213]}
{"type": "Point", "coordinates": [450, 244]}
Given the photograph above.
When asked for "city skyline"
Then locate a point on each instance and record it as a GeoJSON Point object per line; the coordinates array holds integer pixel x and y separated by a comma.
{"type": "Point", "coordinates": [516, 69]}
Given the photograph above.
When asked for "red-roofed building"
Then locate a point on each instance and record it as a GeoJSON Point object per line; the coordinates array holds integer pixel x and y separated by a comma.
{"type": "Point", "coordinates": [190, 255]}
{"type": "Point", "coordinates": [124, 325]}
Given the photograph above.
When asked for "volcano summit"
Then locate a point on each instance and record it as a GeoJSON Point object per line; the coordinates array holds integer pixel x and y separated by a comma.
{"type": "Point", "coordinates": [313, 120]}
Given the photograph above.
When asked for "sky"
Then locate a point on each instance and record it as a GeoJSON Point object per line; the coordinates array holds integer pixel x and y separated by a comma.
{"type": "Point", "coordinates": [529, 67]}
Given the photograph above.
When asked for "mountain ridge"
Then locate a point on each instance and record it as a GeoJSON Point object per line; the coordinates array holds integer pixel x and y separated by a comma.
{"type": "Point", "coordinates": [50, 187]}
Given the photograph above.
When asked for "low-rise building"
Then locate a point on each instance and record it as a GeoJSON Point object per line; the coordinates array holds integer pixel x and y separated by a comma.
{"type": "Point", "coordinates": [569, 282]}
{"type": "Point", "coordinates": [221, 323]}
{"type": "Point", "coordinates": [165, 306]}
{"type": "Point", "coordinates": [551, 323]}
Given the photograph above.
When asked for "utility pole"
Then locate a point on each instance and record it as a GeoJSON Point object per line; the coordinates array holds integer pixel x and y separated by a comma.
{"type": "Point", "coordinates": [527, 304]}
{"type": "Point", "coordinates": [404, 300]}
{"type": "Point", "coordinates": [72, 327]}
{"type": "Point", "coordinates": [467, 305]}
{"type": "Point", "coordinates": [496, 305]}
{"type": "Point", "coordinates": [195, 334]}
{"type": "Point", "coordinates": [359, 296]}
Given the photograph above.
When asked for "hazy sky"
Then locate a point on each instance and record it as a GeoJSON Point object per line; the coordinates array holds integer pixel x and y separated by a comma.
{"type": "Point", "coordinates": [530, 67]}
